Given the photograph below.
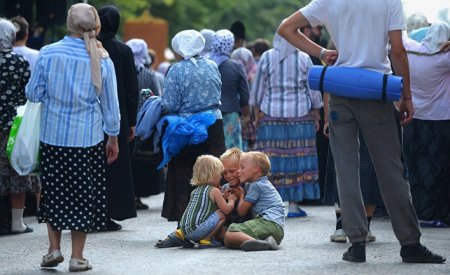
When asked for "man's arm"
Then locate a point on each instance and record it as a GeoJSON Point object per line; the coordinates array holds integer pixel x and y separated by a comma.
{"type": "Point", "coordinates": [289, 30]}
{"type": "Point", "coordinates": [400, 64]}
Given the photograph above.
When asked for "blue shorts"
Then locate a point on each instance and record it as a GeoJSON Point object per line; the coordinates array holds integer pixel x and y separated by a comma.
{"type": "Point", "coordinates": [204, 228]}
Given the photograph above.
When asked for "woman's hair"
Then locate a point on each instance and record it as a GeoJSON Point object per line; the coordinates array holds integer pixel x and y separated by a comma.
{"type": "Point", "coordinates": [259, 159]}
{"type": "Point", "coordinates": [231, 153]}
{"type": "Point", "coordinates": [206, 168]}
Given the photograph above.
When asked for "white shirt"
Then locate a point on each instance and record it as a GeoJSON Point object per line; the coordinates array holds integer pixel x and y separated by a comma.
{"type": "Point", "coordinates": [430, 82]}
{"type": "Point", "coordinates": [359, 29]}
{"type": "Point", "coordinates": [29, 54]}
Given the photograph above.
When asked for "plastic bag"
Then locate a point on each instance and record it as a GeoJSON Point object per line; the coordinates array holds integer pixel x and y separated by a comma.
{"type": "Point", "coordinates": [23, 142]}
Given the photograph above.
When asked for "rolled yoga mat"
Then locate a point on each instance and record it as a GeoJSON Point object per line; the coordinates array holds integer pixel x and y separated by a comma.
{"type": "Point", "coordinates": [355, 83]}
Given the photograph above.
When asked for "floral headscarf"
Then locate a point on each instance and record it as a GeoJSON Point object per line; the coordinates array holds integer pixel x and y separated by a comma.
{"type": "Point", "coordinates": [245, 56]}
{"type": "Point", "coordinates": [7, 34]}
{"type": "Point", "coordinates": [222, 46]}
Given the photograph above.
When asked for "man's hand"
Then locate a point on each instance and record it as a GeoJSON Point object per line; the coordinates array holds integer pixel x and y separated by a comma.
{"type": "Point", "coordinates": [330, 57]}
{"type": "Point", "coordinates": [445, 47]}
{"type": "Point", "coordinates": [406, 111]}
{"type": "Point", "coordinates": [326, 129]}
{"type": "Point", "coordinates": [112, 150]}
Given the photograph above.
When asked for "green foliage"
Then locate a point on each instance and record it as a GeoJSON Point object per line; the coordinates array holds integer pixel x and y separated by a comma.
{"type": "Point", "coordinates": [261, 17]}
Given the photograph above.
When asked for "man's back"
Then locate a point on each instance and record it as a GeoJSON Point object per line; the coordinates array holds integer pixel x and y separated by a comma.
{"type": "Point", "coordinates": [359, 29]}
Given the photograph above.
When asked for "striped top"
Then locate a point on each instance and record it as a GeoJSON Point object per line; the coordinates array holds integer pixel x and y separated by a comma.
{"type": "Point", "coordinates": [72, 113]}
{"type": "Point", "coordinates": [199, 208]}
{"type": "Point", "coordinates": [283, 91]}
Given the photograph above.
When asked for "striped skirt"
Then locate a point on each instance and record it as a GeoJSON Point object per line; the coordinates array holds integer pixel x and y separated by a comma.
{"type": "Point", "coordinates": [290, 144]}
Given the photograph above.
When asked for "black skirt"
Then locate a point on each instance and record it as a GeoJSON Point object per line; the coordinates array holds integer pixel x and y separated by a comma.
{"type": "Point", "coordinates": [73, 195]}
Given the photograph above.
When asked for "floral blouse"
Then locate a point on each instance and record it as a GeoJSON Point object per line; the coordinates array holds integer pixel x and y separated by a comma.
{"type": "Point", "coordinates": [15, 72]}
{"type": "Point", "coordinates": [192, 88]}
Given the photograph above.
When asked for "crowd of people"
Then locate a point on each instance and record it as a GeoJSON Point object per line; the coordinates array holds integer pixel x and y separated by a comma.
{"type": "Point", "coordinates": [236, 126]}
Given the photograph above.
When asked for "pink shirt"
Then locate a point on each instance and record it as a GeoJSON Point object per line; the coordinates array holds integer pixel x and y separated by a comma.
{"type": "Point", "coordinates": [430, 83]}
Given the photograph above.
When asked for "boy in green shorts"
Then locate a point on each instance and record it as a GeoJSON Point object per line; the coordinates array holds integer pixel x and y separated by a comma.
{"type": "Point", "coordinates": [265, 230]}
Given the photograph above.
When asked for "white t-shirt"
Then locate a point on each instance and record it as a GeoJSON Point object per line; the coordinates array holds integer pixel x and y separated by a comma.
{"type": "Point", "coordinates": [359, 29]}
{"type": "Point", "coordinates": [29, 54]}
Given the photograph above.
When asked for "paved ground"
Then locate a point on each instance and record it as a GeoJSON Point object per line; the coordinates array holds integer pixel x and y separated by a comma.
{"type": "Point", "coordinates": [305, 250]}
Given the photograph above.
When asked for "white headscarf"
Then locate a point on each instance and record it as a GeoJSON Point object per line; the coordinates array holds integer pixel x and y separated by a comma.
{"type": "Point", "coordinates": [436, 36]}
{"type": "Point", "coordinates": [188, 44]}
{"type": "Point", "coordinates": [209, 40]}
{"type": "Point", "coordinates": [140, 52]}
{"type": "Point", "coordinates": [416, 21]}
{"type": "Point", "coordinates": [282, 49]}
{"type": "Point", "coordinates": [7, 34]}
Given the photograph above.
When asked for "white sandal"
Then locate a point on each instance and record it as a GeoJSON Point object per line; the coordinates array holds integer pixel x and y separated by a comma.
{"type": "Point", "coordinates": [52, 259]}
{"type": "Point", "coordinates": [76, 265]}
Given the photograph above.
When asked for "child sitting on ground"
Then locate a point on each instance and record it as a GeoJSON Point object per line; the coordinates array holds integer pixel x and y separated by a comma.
{"type": "Point", "coordinates": [205, 213]}
{"type": "Point", "coordinates": [230, 160]}
{"type": "Point", "coordinates": [265, 231]}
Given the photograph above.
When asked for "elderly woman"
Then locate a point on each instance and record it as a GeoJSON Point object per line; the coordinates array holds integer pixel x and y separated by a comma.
{"type": "Point", "coordinates": [288, 117]}
{"type": "Point", "coordinates": [192, 85]}
{"type": "Point", "coordinates": [427, 138]}
{"type": "Point", "coordinates": [235, 88]}
{"type": "Point", "coordinates": [76, 112]}
{"type": "Point", "coordinates": [15, 74]}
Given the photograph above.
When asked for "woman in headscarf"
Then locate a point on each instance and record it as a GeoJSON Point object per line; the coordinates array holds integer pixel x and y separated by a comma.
{"type": "Point", "coordinates": [192, 85]}
{"type": "Point", "coordinates": [76, 114]}
{"type": "Point", "coordinates": [235, 88]}
{"type": "Point", "coordinates": [121, 204]}
{"type": "Point", "coordinates": [427, 139]}
{"type": "Point", "coordinates": [245, 56]}
{"type": "Point", "coordinates": [288, 117]}
{"type": "Point", "coordinates": [209, 40]}
{"type": "Point", "coordinates": [15, 74]}
{"type": "Point", "coordinates": [146, 178]}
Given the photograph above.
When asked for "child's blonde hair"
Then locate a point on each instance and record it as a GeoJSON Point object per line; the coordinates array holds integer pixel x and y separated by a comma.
{"type": "Point", "coordinates": [259, 159]}
{"type": "Point", "coordinates": [232, 153]}
{"type": "Point", "coordinates": [206, 168]}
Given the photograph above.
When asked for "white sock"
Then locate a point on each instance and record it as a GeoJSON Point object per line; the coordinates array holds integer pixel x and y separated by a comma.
{"type": "Point", "coordinates": [17, 219]}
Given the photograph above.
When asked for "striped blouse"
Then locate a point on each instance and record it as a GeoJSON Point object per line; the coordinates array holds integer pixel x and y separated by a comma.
{"type": "Point", "coordinates": [72, 113]}
{"type": "Point", "coordinates": [284, 91]}
{"type": "Point", "coordinates": [199, 208]}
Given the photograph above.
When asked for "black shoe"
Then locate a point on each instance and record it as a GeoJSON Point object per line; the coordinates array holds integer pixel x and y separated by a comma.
{"type": "Point", "coordinates": [417, 253]}
{"type": "Point", "coordinates": [356, 253]}
{"type": "Point", "coordinates": [112, 226]}
{"type": "Point", "coordinates": [140, 205]}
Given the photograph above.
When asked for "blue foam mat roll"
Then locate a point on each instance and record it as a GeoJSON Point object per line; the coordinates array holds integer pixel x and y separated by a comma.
{"type": "Point", "coordinates": [355, 83]}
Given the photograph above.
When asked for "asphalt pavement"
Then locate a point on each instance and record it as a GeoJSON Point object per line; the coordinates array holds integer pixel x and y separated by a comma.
{"type": "Point", "coordinates": [306, 249]}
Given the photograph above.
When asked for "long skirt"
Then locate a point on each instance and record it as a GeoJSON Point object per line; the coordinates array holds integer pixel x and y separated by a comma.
{"type": "Point", "coordinates": [232, 130]}
{"type": "Point", "coordinates": [179, 172]}
{"type": "Point", "coordinates": [367, 178]}
{"type": "Point", "coordinates": [10, 181]}
{"type": "Point", "coordinates": [73, 195]}
{"type": "Point", "coordinates": [427, 152]}
{"type": "Point", "coordinates": [290, 144]}
{"type": "Point", "coordinates": [119, 184]}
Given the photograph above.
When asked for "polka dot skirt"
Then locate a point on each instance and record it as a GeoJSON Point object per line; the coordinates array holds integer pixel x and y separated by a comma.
{"type": "Point", "coordinates": [73, 195]}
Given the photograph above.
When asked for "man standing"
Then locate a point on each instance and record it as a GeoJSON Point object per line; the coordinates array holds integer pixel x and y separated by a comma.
{"type": "Point", "coordinates": [20, 47]}
{"type": "Point", "coordinates": [361, 29]}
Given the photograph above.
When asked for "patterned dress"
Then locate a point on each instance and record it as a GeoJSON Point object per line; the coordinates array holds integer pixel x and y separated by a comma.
{"type": "Point", "coordinates": [15, 73]}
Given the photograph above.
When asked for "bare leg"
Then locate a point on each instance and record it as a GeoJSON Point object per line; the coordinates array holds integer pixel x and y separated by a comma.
{"type": "Point", "coordinates": [78, 241]}
{"type": "Point", "coordinates": [235, 239]}
{"type": "Point", "coordinates": [54, 238]}
{"type": "Point", "coordinates": [17, 200]}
